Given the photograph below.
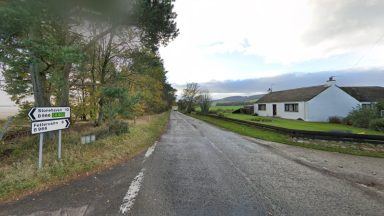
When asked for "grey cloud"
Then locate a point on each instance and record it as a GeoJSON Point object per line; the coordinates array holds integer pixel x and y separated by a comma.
{"type": "Point", "coordinates": [355, 19]}
{"type": "Point", "coordinates": [374, 77]}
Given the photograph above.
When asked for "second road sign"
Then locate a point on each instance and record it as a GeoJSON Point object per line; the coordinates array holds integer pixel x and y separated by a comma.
{"type": "Point", "coordinates": [50, 125]}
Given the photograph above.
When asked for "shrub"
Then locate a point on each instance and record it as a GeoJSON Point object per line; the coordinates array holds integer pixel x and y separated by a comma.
{"type": "Point", "coordinates": [212, 112]}
{"type": "Point", "coordinates": [119, 127]}
{"type": "Point", "coordinates": [24, 109]}
{"type": "Point", "coordinates": [335, 120]}
{"type": "Point", "coordinates": [360, 117]}
{"type": "Point", "coordinates": [377, 124]}
{"type": "Point", "coordinates": [379, 106]}
{"type": "Point", "coordinates": [220, 114]}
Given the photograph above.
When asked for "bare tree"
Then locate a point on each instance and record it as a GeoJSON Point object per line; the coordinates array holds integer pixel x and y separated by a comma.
{"type": "Point", "coordinates": [190, 94]}
{"type": "Point", "coordinates": [205, 101]}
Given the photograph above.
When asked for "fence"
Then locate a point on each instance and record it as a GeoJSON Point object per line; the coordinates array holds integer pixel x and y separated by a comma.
{"type": "Point", "coordinates": [337, 136]}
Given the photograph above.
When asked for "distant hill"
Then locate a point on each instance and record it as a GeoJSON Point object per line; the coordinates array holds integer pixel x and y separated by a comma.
{"type": "Point", "coordinates": [238, 100]}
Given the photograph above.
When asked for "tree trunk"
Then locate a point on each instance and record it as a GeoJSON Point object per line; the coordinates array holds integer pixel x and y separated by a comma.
{"type": "Point", "coordinates": [100, 118]}
{"type": "Point", "coordinates": [39, 85]}
{"type": "Point", "coordinates": [63, 96]}
{"type": "Point", "coordinates": [104, 68]}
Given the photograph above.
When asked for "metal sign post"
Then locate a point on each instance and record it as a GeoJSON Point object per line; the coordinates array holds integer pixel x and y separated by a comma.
{"type": "Point", "coordinates": [41, 150]}
{"type": "Point", "coordinates": [59, 147]}
{"type": "Point", "coordinates": [45, 119]}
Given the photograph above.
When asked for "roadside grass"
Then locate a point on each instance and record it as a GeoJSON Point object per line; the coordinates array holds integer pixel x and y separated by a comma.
{"type": "Point", "coordinates": [302, 125]}
{"type": "Point", "coordinates": [331, 146]}
{"type": "Point", "coordinates": [19, 175]}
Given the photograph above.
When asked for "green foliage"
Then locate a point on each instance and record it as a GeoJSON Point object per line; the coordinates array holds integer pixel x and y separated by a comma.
{"type": "Point", "coordinates": [156, 18]}
{"type": "Point", "coordinates": [117, 103]}
{"type": "Point", "coordinates": [377, 124]}
{"type": "Point", "coordinates": [360, 117]}
{"type": "Point", "coordinates": [100, 57]}
{"type": "Point", "coordinates": [379, 106]}
{"type": "Point", "coordinates": [24, 109]}
{"type": "Point", "coordinates": [119, 127]}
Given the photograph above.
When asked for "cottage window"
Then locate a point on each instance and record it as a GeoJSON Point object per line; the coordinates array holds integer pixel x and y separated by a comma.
{"type": "Point", "coordinates": [367, 106]}
{"type": "Point", "coordinates": [291, 107]}
{"type": "Point", "coordinates": [262, 107]}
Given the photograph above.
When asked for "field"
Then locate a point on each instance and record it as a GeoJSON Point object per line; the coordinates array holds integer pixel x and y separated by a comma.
{"type": "Point", "coordinates": [345, 148]}
{"type": "Point", "coordinates": [6, 111]}
{"type": "Point", "coordinates": [302, 125]}
{"type": "Point", "coordinates": [226, 109]}
{"type": "Point", "coordinates": [18, 168]}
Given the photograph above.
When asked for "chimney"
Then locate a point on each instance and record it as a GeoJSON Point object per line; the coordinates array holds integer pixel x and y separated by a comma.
{"type": "Point", "coordinates": [330, 82]}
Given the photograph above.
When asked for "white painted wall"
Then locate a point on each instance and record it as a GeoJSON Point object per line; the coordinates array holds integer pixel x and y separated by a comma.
{"type": "Point", "coordinates": [280, 108]}
{"type": "Point", "coordinates": [331, 102]}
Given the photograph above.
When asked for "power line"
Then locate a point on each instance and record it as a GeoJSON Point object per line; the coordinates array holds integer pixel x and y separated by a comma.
{"type": "Point", "coordinates": [372, 47]}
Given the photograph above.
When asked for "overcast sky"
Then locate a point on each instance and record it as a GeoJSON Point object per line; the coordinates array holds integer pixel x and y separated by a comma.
{"type": "Point", "coordinates": [221, 41]}
{"type": "Point", "coordinates": [224, 44]}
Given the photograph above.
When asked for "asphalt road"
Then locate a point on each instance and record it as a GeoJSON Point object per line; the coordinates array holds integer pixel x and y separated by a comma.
{"type": "Point", "coordinates": [198, 169]}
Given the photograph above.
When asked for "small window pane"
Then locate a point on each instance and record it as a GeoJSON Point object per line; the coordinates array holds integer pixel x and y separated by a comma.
{"type": "Point", "coordinates": [262, 107]}
{"type": "Point", "coordinates": [291, 107]}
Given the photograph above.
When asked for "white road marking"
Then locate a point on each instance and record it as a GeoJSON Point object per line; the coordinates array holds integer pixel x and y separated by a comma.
{"type": "Point", "coordinates": [150, 150]}
{"type": "Point", "coordinates": [133, 191]}
{"type": "Point", "coordinates": [134, 188]}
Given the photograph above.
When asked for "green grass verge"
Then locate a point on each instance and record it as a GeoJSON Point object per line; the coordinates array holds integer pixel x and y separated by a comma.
{"type": "Point", "coordinates": [302, 125]}
{"type": "Point", "coordinates": [345, 148]}
{"type": "Point", "coordinates": [19, 175]}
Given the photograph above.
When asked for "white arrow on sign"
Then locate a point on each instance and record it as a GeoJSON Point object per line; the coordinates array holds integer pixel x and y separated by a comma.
{"type": "Point", "coordinates": [48, 113]}
{"type": "Point", "coordinates": [51, 125]}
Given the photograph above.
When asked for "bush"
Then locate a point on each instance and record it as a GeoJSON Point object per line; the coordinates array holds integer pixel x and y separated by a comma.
{"type": "Point", "coordinates": [377, 124]}
{"type": "Point", "coordinates": [212, 112]}
{"type": "Point", "coordinates": [335, 120]}
{"type": "Point", "coordinates": [360, 117]}
{"type": "Point", "coordinates": [119, 127]}
{"type": "Point", "coordinates": [220, 114]}
{"type": "Point", "coordinates": [24, 109]}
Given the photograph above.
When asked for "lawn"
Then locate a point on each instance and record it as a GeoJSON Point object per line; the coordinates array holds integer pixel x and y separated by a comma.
{"type": "Point", "coordinates": [302, 125]}
{"type": "Point", "coordinates": [345, 148]}
{"type": "Point", "coordinates": [18, 169]}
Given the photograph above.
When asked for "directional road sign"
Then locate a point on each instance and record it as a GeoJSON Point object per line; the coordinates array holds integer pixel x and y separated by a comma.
{"type": "Point", "coordinates": [50, 125]}
{"type": "Point", "coordinates": [47, 113]}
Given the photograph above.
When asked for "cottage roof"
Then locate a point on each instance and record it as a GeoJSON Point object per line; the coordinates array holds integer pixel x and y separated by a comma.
{"type": "Point", "coordinates": [360, 93]}
{"type": "Point", "coordinates": [365, 93]}
{"type": "Point", "coordinates": [293, 95]}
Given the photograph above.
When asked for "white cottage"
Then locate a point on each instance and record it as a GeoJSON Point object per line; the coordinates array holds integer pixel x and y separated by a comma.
{"type": "Point", "coordinates": [317, 103]}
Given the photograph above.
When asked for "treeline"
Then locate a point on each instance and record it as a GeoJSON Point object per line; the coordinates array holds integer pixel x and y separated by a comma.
{"type": "Point", "coordinates": [243, 103]}
{"type": "Point", "coordinates": [99, 57]}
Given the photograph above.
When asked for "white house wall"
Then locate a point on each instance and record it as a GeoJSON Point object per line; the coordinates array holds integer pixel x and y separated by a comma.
{"type": "Point", "coordinates": [331, 102]}
{"type": "Point", "coordinates": [280, 108]}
